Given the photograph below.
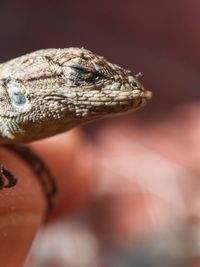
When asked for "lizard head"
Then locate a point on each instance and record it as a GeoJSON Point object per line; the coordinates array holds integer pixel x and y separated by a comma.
{"type": "Point", "coordinates": [50, 91]}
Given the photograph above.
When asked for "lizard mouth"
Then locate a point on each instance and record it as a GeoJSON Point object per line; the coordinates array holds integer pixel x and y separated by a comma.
{"type": "Point", "coordinates": [118, 103]}
{"type": "Point", "coordinates": [138, 101]}
{"type": "Point", "coordinates": [144, 97]}
{"type": "Point", "coordinates": [136, 98]}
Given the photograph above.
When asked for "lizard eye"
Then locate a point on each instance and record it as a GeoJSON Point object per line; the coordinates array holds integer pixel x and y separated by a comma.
{"type": "Point", "coordinates": [81, 75]}
{"type": "Point", "coordinates": [17, 98]}
{"type": "Point", "coordinates": [80, 70]}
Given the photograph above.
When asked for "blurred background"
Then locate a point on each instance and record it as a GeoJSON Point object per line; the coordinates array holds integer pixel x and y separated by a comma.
{"type": "Point", "coordinates": [143, 208]}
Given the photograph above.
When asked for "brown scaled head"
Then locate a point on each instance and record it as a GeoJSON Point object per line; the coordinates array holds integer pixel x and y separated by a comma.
{"type": "Point", "coordinates": [50, 91]}
{"type": "Point", "coordinates": [95, 87]}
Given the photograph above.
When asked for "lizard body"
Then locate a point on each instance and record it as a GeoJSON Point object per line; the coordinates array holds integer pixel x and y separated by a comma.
{"type": "Point", "coordinates": [50, 91]}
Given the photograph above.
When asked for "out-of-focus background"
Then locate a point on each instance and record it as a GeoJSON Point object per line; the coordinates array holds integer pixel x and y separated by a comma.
{"type": "Point", "coordinates": [144, 205]}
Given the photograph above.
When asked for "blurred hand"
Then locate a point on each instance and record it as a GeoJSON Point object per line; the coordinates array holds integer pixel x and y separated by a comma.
{"type": "Point", "coordinates": [23, 207]}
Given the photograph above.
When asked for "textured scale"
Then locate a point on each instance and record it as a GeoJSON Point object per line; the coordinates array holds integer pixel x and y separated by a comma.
{"type": "Point", "coordinates": [50, 91]}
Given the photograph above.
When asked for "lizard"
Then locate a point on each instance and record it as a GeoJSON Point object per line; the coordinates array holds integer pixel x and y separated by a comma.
{"type": "Point", "coordinates": [50, 91]}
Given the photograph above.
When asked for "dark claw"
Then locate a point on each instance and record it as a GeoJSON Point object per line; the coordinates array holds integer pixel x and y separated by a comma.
{"type": "Point", "coordinates": [43, 173]}
{"type": "Point", "coordinates": [5, 174]}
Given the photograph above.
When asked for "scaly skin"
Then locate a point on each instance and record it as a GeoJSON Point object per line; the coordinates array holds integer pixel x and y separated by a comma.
{"type": "Point", "coordinates": [50, 91]}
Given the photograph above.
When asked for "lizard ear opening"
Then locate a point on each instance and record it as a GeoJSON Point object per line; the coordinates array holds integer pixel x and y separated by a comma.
{"type": "Point", "coordinates": [15, 94]}
{"type": "Point", "coordinates": [18, 98]}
